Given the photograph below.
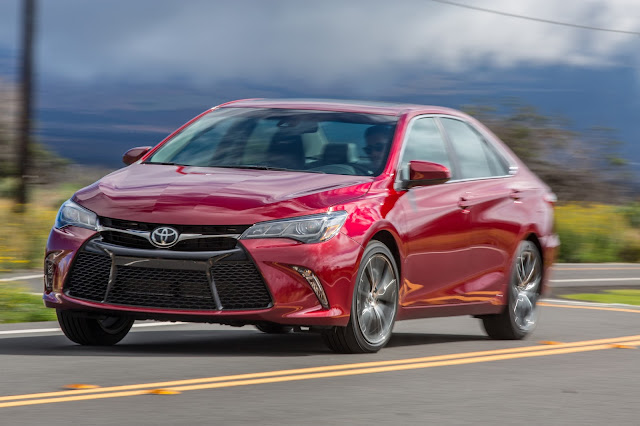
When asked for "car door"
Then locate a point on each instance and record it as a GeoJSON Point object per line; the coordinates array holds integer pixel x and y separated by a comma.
{"type": "Point", "coordinates": [434, 229]}
{"type": "Point", "coordinates": [492, 203]}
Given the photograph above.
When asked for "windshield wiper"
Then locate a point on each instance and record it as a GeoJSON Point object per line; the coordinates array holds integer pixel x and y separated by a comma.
{"type": "Point", "coordinates": [168, 163]}
{"type": "Point", "coordinates": [262, 167]}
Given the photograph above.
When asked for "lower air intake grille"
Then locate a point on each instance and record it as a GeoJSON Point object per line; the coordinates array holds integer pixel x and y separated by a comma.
{"type": "Point", "coordinates": [162, 288]}
{"type": "Point", "coordinates": [89, 277]}
{"type": "Point", "coordinates": [240, 285]}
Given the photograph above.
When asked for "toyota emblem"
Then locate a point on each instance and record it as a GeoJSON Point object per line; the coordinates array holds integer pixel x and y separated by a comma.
{"type": "Point", "coordinates": [164, 236]}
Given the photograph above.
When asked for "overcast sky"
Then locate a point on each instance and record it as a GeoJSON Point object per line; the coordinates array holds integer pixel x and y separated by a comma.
{"type": "Point", "coordinates": [152, 54]}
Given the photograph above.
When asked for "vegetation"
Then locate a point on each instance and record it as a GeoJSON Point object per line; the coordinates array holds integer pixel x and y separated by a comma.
{"type": "Point", "coordinates": [583, 166]}
{"type": "Point", "coordinates": [17, 305]}
{"type": "Point", "coordinates": [598, 233]}
{"type": "Point", "coordinates": [23, 235]}
{"type": "Point", "coordinates": [629, 297]}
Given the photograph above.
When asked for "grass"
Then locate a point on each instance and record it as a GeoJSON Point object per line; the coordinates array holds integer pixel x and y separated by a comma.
{"type": "Point", "coordinates": [17, 305]}
{"type": "Point", "coordinates": [629, 297]}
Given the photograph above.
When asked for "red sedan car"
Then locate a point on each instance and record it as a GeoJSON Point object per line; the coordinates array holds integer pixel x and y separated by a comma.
{"type": "Point", "coordinates": [333, 216]}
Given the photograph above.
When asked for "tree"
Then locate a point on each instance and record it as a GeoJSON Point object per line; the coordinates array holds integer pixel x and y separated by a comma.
{"type": "Point", "coordinates": [577, 166]}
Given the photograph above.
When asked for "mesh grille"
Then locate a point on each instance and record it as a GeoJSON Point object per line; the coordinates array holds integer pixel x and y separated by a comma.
{"type": "Point", "coordinates": [162, 288]}
{"type": "Point", "coordinates": [89, 277]}
{"type": "Point", "coordinates": [240, 286]}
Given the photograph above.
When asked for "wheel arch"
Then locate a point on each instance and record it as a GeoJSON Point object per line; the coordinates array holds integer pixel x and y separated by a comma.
{"type": "Point", "coordinates": [386, 238]}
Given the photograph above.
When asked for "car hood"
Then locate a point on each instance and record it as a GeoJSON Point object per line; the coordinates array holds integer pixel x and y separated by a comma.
{"type": "Point", "coordinates": [201, 195]}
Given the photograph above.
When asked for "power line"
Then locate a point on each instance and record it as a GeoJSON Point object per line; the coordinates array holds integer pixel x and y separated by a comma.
{"type": "Point", "coordinates": [531, 18]}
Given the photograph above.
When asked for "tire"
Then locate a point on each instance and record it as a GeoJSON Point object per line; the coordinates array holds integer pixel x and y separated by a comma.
{"type": "Point", "coordinates": [273, 328]}
{"type": "Point", "coordinates": [520, 315]}
{"type": "Point", "coordinates": [374, 305]}
{"type": "Point", "coordinates": [89, 331]}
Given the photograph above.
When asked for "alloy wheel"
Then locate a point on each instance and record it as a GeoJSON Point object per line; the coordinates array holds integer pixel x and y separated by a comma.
{"type": "Point", "coordinates": [377, 299]}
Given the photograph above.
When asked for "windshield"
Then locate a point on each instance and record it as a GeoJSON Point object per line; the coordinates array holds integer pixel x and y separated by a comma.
{"type": "Point", "coordinates": [280, 139]}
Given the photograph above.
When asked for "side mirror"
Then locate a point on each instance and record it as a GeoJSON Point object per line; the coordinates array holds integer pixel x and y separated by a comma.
{"type": "Point", "coordinates": [134, 154]}
{"type": "Point", "coordinates": [423, 173]}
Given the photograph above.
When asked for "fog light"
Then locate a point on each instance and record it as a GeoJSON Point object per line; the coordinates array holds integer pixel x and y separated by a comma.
{"type": "Point", "coordinates": [49, 271]}
{"type": "Point", "coordinates": [314, 282]}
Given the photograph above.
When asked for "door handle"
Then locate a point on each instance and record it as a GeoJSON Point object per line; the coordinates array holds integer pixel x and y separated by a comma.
{"type": "Point", "coordinates": [464, 202]}
{"type": "Point", "coordinates": [515, 194]}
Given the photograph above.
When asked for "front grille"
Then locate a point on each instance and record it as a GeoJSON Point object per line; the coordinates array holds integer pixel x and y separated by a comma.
{"type": "Point", "coordinates": [183, 229]}
{"type": "Point", "coordinates": [198, 244]}
{"type": "Point", "coordinates": [126, 240]}
{"type": "Point", "coordinates": [238, 283]}
{"type": "Point", "coordinates": [166, 288]}
{"type": "Point", "coordinates": [89, 277]}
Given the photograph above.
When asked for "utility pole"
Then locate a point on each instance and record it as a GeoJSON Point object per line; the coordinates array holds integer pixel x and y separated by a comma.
{"type": "Point", "coordinates": [24, 118]}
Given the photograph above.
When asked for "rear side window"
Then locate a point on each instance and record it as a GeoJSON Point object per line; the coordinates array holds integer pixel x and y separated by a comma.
{"type": "Point", "coordinates": [425, 143]}
{"type": "Point", "coordinates": [476, 158]}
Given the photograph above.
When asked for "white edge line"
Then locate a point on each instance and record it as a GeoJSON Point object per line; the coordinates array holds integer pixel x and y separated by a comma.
{"type": "Point", "coordinates": [24, 277]}
{"type": "Point", "coordinates": [595, 304]}
{"type": "Point", "coordinates": [578, 280]}
{"type": "Point", "coordinates": [57, 330]}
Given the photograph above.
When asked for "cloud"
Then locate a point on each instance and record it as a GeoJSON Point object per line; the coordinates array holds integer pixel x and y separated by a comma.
{"type": "Point", "coordinates": [317, 44]}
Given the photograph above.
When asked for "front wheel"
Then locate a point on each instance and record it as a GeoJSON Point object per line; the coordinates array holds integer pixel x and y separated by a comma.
{"type": "Point", "coordinates": [374, 305]}
{"type": "Point", "coordinates": [521, 313]}
{"type": "Point", "coordinates": [84, 330]}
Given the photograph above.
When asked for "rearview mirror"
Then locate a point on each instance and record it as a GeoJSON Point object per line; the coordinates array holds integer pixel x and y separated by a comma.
{"type": "Point", "coordinates": [423, 173]}
{"type": "Point", "coordinates": [134, 154]}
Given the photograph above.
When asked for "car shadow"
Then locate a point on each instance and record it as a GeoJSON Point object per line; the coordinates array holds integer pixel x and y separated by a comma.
{"type": "Point", "coordinates": [206, 343]}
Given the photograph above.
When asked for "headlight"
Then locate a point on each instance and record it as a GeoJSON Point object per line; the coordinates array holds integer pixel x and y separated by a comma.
{"type": "Point", "coordinates": [308, 229]}
{"type": "Point", "coordinates": [72, 214]}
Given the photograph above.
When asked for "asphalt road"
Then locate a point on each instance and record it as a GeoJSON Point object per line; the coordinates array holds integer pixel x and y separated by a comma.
{"type": "Point", "coordinates": [439, 371]}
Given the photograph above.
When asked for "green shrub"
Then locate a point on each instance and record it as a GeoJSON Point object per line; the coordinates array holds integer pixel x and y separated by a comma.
{"type": "Point", "coordinates": [17, 305]}
{"type": "Point", "coordinates": [596, 233]}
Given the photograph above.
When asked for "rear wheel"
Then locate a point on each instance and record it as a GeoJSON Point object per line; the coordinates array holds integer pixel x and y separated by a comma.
{"type": "Point", "coordinates": [374, 305]}
{"type": "Point", "coordinates": [84, 330]}
{"type": "Point", "coordinates": [521, 314]}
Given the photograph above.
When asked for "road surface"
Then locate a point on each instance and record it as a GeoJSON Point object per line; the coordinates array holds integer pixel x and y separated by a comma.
{"type": "Point", "coordinates": [581, 366]}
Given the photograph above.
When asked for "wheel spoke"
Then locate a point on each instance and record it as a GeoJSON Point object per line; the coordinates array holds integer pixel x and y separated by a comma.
{"type": "Point", "coordinates": [368, 272]}
{"type": "Point", "coordinates": [367, 318]}
{"type": "Point", "coordinates": [364, 290]}
{"type": "Point", "coordinates": [381, 320]}
{"type": "Point", "coordinates": [385, 295]}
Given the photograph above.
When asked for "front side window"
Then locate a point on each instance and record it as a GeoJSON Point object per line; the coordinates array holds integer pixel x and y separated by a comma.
{"type": "Point", "coordinates": [280, 139]}
{"type": "Point", "coordinates": [471, 150]}
{"type": "Point", "coordinates": [425, 143]}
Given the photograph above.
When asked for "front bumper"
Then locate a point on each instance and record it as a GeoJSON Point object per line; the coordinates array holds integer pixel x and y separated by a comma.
{"type": "Point", "coordinates": [251, 283]}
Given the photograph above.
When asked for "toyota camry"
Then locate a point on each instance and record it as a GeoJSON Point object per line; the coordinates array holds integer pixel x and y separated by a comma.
{"type": "Point", "coordinates": [331, 216]}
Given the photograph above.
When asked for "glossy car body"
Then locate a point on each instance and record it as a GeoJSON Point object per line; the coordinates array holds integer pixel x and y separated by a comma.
{"type": "Point", "coordinates": [454, 243]}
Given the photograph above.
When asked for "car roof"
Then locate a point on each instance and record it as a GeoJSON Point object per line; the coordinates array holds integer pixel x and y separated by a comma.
{"type": "Point", "coordinates": [367, 107]}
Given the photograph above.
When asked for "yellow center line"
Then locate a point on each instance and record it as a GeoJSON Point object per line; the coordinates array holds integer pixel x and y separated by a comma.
{"type": "Point", "coordinates": [139, 389]}
{"type": "Point", "coordinates": [413, 366]}
{"type": "Point", "coordinates": [596, 308]}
